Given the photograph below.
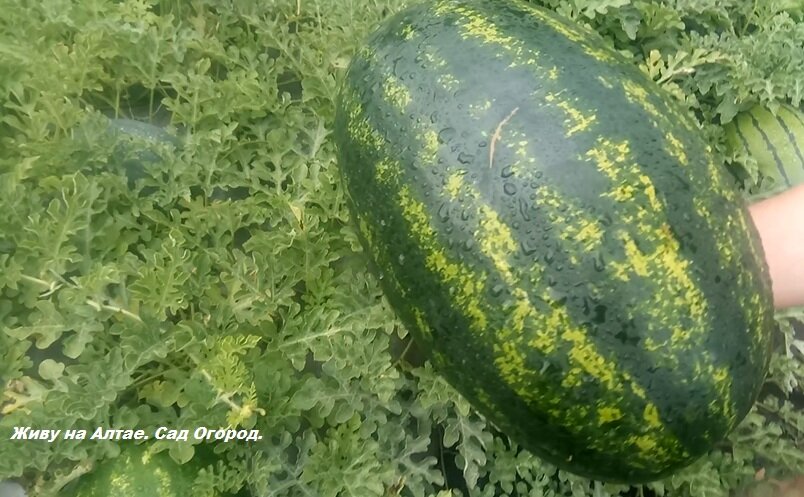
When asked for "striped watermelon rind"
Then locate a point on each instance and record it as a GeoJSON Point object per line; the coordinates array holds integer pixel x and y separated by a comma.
{"type": "Point", "coordinates": [551, 227]}
{"type": "Point", "coordinates": [775, 140]}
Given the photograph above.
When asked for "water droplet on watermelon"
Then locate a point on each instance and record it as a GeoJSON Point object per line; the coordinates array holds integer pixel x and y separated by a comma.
{"type": "Point", "coordinates": [443, 213]}
{"type": "Point", "coordinates": [482, 144]}
{"type": "Point", "coordinates": [523, 209]}
{"type": "Point", "coordinates": [446, 135]}
{"type": "Point", "coordinates": [598, 262]}
{"type": "Point", "coordinates": [465, 158]}
{"type": "Point", "coordinates": [538, 174]}
{"type": "Point", "coordinates": [515, 225]}
{"type": "Point", "coordinates": [468, 244]}
{"type": "Point", "coordinates": [507, 171]}
{"type": "Point", "coordinates": [509, 188]}
{"type": "Point", "coordinates": [497, 290]}
{"type": "Point", "coordinates": [401, 259]}
{"type": "Point", "coordinates": [527, 248]}
{"type": "Point", "coordinates": [434, 117]}
{"type": "Point", "coordinates": [396, 70]}
{"type": "Point", "coordinates": [549, 256]}
{"type": "Point", "coordinates": [465, 215]}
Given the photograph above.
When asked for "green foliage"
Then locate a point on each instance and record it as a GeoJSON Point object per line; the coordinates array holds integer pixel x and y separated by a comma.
{"type": "Point", "coordinates": [184, 307]}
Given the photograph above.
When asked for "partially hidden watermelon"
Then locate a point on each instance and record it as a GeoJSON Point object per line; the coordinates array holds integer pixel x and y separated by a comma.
{"type": "Point", "coordinates": [552, 229]}
{"type": "Point", "coordinates": [774, 139]}
{"type": "Point", "coordinates": [136, 472]}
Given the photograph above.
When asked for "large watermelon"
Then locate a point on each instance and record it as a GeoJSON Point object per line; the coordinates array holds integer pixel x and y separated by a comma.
{"type": "Point", "coordinates": [553, 230]}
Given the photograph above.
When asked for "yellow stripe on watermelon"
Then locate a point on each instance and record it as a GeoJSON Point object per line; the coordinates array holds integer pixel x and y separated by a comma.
{"type": "Point", "coordinates": [469, 285]}
{"type": "Point", "coordinates": [575, 119]}
{"type": "Point", "coordinates": [751, 301]}
{"type": "Point", "coordinates": [477, 26]}
{"type": "Point", "coordinates": [360, 131]}
{"type": "Point", "coordinates": [637, 95]}
{"type": "Point", "coordinates": [386, 171]}
{"type": "Point", "coordinates": [395, 93]}
{"type": "Point", "coordinates": [675, 149]}
{"type": "Point", "coordinates": [573, 32]}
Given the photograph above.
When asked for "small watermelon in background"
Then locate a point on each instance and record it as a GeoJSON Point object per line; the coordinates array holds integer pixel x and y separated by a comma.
{"type": "Point", "coordinates": [141, 144]}
{"type": "Point", "coordinates": [146, 138]}
{"type": "Point", "coordinates": [775, 141]}
{"type": "Point", "coordinates": [552, 229]}
{"type": "Point", "coordinates": [137, 473]}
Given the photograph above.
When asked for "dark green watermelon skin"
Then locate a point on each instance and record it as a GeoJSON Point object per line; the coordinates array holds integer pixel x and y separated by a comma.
{"type": "Point", "coordinates": [550, 226]}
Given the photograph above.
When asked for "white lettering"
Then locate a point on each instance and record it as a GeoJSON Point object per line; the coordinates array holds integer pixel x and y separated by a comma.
{"type": "Point", "coordinates": [75, 434]}
{"type": "Point", "coordinates": [159, 434]}
{"type": "Point", "coordinates": [200, 433]}
{"type": "Point", "coordinates": [20, 433]}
